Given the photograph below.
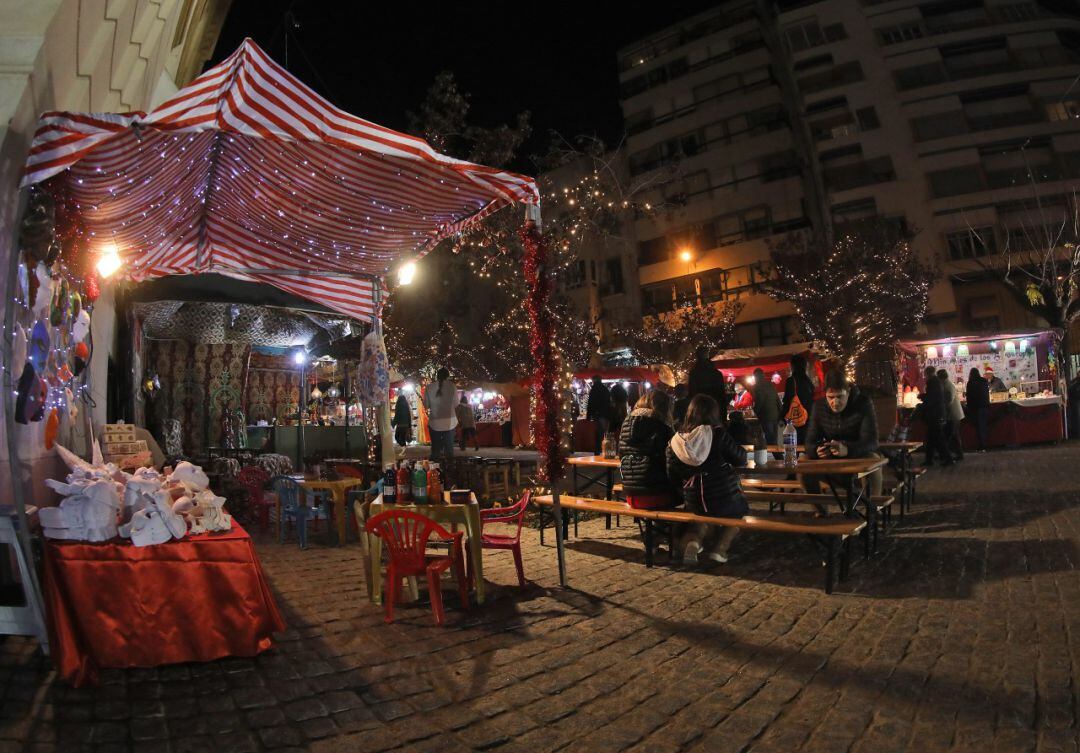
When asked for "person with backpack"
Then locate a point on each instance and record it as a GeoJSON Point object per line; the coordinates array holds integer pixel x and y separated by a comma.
{"type": "Point", "coordinates": [700, 459]}
{"type": "Point", "coordinates": [798, 397]}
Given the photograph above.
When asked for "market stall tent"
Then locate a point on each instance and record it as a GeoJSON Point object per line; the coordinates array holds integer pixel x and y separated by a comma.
{"type": "Point", "coordinates": [249, 173]}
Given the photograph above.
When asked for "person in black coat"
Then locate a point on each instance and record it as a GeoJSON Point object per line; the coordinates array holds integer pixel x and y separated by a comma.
{"type": "Point", "coordinates": [598, 410]}
{"type": "Point", "coordinates": [977, 394]}
{"type": "Point", "coordinates": [798, 385]}
{"type": "Point", "coordinates": [402, 422]}
{"type": "Point", "coordinates": [700, 459]}
{"type": "Point", "coordinates": [643, 441]}
{"type": "Point", "coordinates": [682, 402]}
{"type": "Point", "coordinates": [705, 379]}
{"type": "Point", "coordinates": [620, 402]}
{"type": "Point", "coordinates": [933, 414]}
{"type": "Point", "coordinates": [842, 425]}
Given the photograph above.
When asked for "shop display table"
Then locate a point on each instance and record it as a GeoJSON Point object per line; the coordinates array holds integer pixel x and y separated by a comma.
{"type": "Point", "coordinates": [116, 605]}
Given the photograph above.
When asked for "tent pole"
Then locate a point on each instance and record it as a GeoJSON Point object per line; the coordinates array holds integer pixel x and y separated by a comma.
{"type": "Point", "coordinates": [382, 411]}
{"type": "Point", "coordinates": [345, 386]}
{"type": "Point", "coordinates": [300, 405]}
{"type": "Point", "coordinates": [14, 464]}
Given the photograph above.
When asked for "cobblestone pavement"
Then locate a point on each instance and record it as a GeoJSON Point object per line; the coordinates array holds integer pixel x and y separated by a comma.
{"type": "Point", "coordinates": [963, 635]}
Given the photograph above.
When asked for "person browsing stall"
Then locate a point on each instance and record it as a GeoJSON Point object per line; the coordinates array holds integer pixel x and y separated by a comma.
{"type": "Point", "coordinates": [598, 410]}
{"type": "Point", "coordinates": [440, 398]}
{"type": "Point", "coordinates": [766, 406]}
{"type": "Point", "coordinates": [467, 421]}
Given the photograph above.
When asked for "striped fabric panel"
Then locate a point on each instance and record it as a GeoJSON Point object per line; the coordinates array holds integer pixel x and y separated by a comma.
{"type": "Point", "coordinates": [247, 172]}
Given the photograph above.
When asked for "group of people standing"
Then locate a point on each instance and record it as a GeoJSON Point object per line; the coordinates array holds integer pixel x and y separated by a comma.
{"type": "Point", "coordinates": [943, 413]}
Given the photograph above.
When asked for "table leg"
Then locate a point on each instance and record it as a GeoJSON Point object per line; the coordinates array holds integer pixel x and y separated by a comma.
{"type": "Point", "coordinates": [476, 549]}
{"type": "Point", "coordinates": [607, 495]}
{"type": "Point", "coordinates": [342, 515]}
{"type": "Point", "coordinates": [375, 561]}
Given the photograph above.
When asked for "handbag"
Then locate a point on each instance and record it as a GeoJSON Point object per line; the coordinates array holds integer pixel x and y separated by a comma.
{"type": "Point", "coordinates": [796, 413]}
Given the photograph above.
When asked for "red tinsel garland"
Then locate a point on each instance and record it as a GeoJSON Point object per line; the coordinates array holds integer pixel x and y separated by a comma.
{"type": "Point", "coordinates": [541, 347]}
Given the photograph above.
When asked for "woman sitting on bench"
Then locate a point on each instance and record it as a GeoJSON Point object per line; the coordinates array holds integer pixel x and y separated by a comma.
{"type": "Point", "coordinates": [643, 440]}
{"type": "Point", "coordinates": [700, 459]}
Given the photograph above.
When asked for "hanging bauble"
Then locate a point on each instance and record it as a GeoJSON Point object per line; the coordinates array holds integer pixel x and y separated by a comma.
{"type": "Point", "coordinates": [38, 352]}
{"type": "Point", "coordinates": [23, 292]}
{"type": "Point", "coordinates": [70, 405]}
{"type": "Point", "coordinates": [52, 426]}
{"type": "Point", "coordinates": [44, 295]}
{"type": "Point", "coordinates": [63, 373]}
{"type": "Point", "coordinates": [36, 228]}
{"type": "Point", "coordinates": [30, 396]}
{"type": "Point", "coordinates": [76, 304]}
{"type": "Point", "coordinates": [81, 326]}
{"type": "Point", "coordinates": [32, 283]}
{"type": "Point", "coordinates": [92, 289]}
{"type": "Point", "coordinates": [82, 355]}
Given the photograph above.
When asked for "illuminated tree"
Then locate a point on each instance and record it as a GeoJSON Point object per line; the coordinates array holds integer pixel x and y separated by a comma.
{"type": "Point", "coordinates": [672, 338]}
{"type": "Point", "coordinates": [860, 291]}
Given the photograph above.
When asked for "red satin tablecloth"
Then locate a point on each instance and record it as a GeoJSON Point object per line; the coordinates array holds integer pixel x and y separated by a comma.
{"type": "Point", "coordinates": [114, 605]}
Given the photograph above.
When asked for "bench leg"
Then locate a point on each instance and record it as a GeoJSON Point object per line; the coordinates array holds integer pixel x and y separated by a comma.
{"type": "Point", "coordinates": [540, 521]}
{"type": "Point", "coordinates": [566, 524]}
{"type": "Point", "coordinates": [830, 563]}
{"type": "Point", "coordinates": [576, 517]}
{"type": "Point", "coordinates": [648, 543]}
{"type": "Point", "coordinates": [845, 559]}
{"type": "Point", "coordinates": [607, 523]}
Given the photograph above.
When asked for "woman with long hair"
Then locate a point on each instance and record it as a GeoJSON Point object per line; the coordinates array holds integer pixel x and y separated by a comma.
{"type": "Point", "coordinates": [643, 443]}
{"type": "Point", "coordinates": [700, 459]}
{"type": "Point", "coordinates": [978, 405]}
{"type": "Point", "coordinates": [441, 398]}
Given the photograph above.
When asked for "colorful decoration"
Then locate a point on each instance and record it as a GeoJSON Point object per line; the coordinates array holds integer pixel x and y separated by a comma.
{"type": "Point", "coordinates": [544, 351]}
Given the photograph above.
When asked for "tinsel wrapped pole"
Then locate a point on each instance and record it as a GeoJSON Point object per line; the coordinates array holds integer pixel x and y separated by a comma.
{"type": "Point", "coordinates": [545, 356]}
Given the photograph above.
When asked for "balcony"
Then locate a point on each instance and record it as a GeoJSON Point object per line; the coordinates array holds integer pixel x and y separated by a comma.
{"type": "Point", "coordinates": [931, 74]}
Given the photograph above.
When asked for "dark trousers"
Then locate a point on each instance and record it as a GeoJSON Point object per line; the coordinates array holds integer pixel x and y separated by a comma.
{"type": "Point", "coordinates": [954, 443]}
{"type": "Point", "coordinates": [981, 418]}
{"type": "Point", "coordinates": [935, 441]}
{"type": "Point", "coordinates": [770, 429]}
{"type": "Point", "coordinates": [601, 426]}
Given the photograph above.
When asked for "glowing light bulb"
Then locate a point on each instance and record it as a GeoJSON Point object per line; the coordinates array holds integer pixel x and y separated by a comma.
{"type": "Point", "coordinates": [109, 261]}
{"type": "Point", "coordinates": [685, 255]}
{"type": "Point", "coordinates": [299, 357]}
{"type": "Point", "coordinates": [406, 273]}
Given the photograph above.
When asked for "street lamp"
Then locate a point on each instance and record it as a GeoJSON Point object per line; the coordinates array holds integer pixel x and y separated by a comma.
{"type": "Point", "coordinates": [109, 261]}
{"type": "Point", "coordinates": [406, 273]}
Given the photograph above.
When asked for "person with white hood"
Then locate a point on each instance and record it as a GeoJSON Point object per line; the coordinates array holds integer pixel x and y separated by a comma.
{"type": "Point", "coordinates": [700, 458]}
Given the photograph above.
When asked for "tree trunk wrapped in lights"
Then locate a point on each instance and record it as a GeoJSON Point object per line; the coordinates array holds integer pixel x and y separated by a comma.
{"type": "Point", "coordinates": [863, 290]}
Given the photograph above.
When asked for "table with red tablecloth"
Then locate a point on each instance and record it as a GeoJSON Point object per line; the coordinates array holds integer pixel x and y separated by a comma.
{"type": "Point", "coordinates": [116, 605]}
{"type": "Point", "coordinates": [1011, 423]}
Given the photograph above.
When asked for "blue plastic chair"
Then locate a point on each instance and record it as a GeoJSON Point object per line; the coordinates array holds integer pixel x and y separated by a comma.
{"type": "Point", "coordinates": [292, 508]}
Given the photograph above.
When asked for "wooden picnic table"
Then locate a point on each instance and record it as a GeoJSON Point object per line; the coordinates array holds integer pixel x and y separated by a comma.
{"type": "Point", "coordinates": [851, 469]}
{"type": "Point", "coordinates": [900, 453]}
{"type": "Point", "coordinates": [604, 479]}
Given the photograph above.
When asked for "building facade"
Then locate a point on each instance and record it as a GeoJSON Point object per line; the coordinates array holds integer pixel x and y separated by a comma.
{"type": "Point", "coordinates": [951, 117]}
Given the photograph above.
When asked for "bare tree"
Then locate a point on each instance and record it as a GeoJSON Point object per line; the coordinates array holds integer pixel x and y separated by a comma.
{"type": "Point", "coordinates": [860, 291]}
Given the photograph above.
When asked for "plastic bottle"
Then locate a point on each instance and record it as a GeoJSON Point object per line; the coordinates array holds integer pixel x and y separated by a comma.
{"type": "Point", "coordinates": [761, 448]}
{"type": "Point", "coordinates": [419, 484]}
{"type": "Point", "coordinates": [791, 440]}
{"type": "Point", "coordinates": [404, 491]}
{"type": "Point", "coordinates": [389, 491]}
{"type": "Point", "coordinates": [434, 485]}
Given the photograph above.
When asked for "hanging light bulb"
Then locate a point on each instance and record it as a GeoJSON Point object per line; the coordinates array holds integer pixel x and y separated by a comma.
{"type": "Point", "coordinates": [406, 273]}
{"type": "Point", "coordinates": [947, 351]}
{"type": "Point", "coordinates": [962, 351]}
{"type": "Point", "coordinates": [109, 261]}
{"type": "Point", "coordinates": [931, 352]}
{"type": "Point", "coordinates": [333, 392]}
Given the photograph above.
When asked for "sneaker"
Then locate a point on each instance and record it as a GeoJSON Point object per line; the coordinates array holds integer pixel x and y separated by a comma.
{"type": "Point", "coordinates": [716, 557]}
{"type": "Point", "coordinates": [691, 552]}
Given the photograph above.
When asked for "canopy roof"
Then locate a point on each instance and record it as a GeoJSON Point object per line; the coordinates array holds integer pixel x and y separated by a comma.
{"type": "Point", "coordinates": [249, 173]}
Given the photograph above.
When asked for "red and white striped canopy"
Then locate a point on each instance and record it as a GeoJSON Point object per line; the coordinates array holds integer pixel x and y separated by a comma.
{"type": "Point", "coordinates": [249, 173]}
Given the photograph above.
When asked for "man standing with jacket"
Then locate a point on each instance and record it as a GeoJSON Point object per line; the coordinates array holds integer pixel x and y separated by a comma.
{"type": "Point", "coordinates": [933, 413]}
{"type": "Point", "coordinates": [705, 379]}
{"type": "Point", "coordinates": [766, 406]}
{"type": "Point", "coordinates": [598, 410]}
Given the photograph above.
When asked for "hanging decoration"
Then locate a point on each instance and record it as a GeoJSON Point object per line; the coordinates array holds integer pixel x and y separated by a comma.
{"type": "Point", "coordinates": [544, 351]}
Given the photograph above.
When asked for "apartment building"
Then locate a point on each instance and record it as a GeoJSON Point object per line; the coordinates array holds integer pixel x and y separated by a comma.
{"type": "Point", "coordinates": [949, 116]}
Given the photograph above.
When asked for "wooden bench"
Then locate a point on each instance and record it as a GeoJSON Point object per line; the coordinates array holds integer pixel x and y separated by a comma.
{"type": "Point", "coordinates": [776, 484]}
{"type": "Point", "coordinates": [780, 500]}
{"type": "Point", "coordinates": [837, 531]}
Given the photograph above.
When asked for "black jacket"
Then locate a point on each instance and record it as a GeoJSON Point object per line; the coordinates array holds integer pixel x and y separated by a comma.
{"type": "Point", "coordinates": [599, 405]}
{"type": "Point", "coordinates": [797, 385]}
{"type": "Point", "coordinates": [855, 426]}
{"type": "Point", "coordinates": [402, 412]}
{"type": "Point", "coordinates": [978, 393]}
{"type": "Point", "coordinates": [712, 487]}
{"type": "Point", "coordinates": [642, 443]}
{"type": "Point", "coordinates": [933, 400]}
{"type": "Point", "coordinates": [706, 380]}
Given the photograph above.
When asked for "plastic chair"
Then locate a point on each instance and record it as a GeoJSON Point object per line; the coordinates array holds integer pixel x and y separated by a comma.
{"type": "Point", "coordinates": [514, 515]}
{"type": "Point", "coordinates": [254, 480]}
{"type": "Point", "coordinates": [405, 534]}
{"type": "Point", "coordinates": [290, 501]}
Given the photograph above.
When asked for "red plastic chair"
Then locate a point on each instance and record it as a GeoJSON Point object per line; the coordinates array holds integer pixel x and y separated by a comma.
{"type": "Point", "coordinates": [405, 534]}
{"type": "Point", "coordinates": [254, 480]}
{"type": "Point", "coordinates": [514, 514]}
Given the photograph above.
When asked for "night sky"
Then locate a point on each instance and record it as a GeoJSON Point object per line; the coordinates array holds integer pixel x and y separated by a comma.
{"type": "Point", "coordinates": [377, 60]}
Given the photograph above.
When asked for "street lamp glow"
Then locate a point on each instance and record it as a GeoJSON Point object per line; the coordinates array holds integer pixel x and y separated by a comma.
{"type": "Point", "coordinates": [406, 273]}
{"type": "Point", "coordinates": [109, 261]}
{"type": "Point", "coordinates": [686, 255]}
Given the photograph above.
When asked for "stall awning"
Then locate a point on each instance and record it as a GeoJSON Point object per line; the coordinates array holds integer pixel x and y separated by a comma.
{"type": "Point", "coordinates": [249, 173]}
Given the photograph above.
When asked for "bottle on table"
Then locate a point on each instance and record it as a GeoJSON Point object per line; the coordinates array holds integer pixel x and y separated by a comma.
{"type": "Point", "coordinates": [389, 490]}
{"type": "Point", "coordinates": [607, 446]}
{"type": "Point", "coordinates": [404, 484]}
{"type": "Point", "coordinates": [434, 485]}
{"type": "Point", "coordinates": [791, 440]}
{"type": "Point", "coordinates": [419, 485]}
{"type": "Point", "coordinates": [761, 448]}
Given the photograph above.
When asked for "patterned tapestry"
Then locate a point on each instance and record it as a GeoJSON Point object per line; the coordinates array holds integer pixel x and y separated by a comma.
{"type": "Point", "coordinates": [197, 381]}
{"type": "Point", "coordinates": [272, 388]}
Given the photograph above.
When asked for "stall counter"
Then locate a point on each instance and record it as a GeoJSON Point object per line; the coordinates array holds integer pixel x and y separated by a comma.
{"type": "Point", "coordinates": [1012, 423]}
